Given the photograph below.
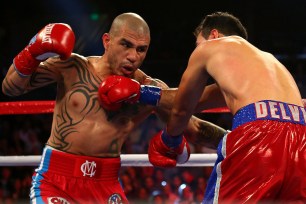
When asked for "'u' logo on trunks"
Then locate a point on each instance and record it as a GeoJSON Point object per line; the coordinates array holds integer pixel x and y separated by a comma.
{"type": "Point", "coordinates": [89, 168]}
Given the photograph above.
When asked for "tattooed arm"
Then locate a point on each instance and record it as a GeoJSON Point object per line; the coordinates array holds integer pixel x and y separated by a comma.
{"type": "Point", "coordinates": [46, 73]}
{"type": "Point", "coordinates": [201, 132]}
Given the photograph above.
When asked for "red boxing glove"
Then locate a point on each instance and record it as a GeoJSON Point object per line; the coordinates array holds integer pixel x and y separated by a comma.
{"type": "Point", "coordinates": [166, 151]}
{"type": "Point", "coordinates": [54, 39]}
{"type": "Point", "coordinates": [116, 89]}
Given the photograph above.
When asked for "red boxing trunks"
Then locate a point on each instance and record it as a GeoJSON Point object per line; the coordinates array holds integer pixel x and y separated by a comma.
{"type": "Point", "coordinates": [67, 178]}
{"type": "Point", "coordinates": [263, 158]}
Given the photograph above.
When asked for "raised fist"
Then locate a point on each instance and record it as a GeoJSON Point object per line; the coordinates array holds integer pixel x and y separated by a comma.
{"type": "Point", "coordinates": [115, 90]}
{"type": "Point", "coordinates": [54, 39]}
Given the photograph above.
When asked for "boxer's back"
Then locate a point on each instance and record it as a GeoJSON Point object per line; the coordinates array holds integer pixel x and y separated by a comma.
{"type": "Point", "coordinates": [246, 74]}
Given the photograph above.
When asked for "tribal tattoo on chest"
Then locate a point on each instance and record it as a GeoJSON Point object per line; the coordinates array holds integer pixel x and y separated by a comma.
{"type": "Point", "coordinates": [67, 119]}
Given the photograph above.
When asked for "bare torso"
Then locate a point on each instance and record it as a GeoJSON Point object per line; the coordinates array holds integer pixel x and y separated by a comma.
{"type": "Point", "coordinates": [80, 126]}
{"type": "Point", "coordinates": [243, 74]}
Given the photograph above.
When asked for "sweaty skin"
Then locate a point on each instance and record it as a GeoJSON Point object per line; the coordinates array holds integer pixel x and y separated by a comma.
{"type": "Point", "coordinates": [243, 73]}
{"type": "Point", "coordinates": [80, 125]}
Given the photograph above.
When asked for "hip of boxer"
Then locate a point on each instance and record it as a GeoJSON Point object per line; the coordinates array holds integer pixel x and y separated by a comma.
{"type": "Point", "coordinates": [69, 178]}
{"type": "Point", "coordinates": [263, 158]}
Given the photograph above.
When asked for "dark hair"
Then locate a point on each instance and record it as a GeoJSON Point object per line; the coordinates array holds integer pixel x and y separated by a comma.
{"type": "Point", "coordinates": [224, 22]}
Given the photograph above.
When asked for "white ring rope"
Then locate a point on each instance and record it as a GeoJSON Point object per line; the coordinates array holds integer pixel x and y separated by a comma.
{"type": "Point", "coordinates": [195, 160]}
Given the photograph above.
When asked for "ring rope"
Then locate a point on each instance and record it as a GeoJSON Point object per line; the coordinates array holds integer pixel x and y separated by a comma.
{"type": "Point", "coordinates": [26, 107]}
{"type": "Point", "coordinates": [136, 160]}
{"type": "Point", "coordinates": [41, 107]}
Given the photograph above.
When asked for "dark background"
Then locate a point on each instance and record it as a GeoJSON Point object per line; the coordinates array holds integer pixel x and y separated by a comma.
{"type": "Point", "coordinates": [274, 26]}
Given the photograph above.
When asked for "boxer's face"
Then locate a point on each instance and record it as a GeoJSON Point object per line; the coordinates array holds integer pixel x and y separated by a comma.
{"type": "Point", "coordinates": [126, 51]}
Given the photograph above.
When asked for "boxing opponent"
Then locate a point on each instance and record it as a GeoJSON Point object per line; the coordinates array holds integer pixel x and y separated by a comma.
{"type": "Point", "coordinates": [81, 160]}
{"type": "Point", "coordinates": [263, 158]}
